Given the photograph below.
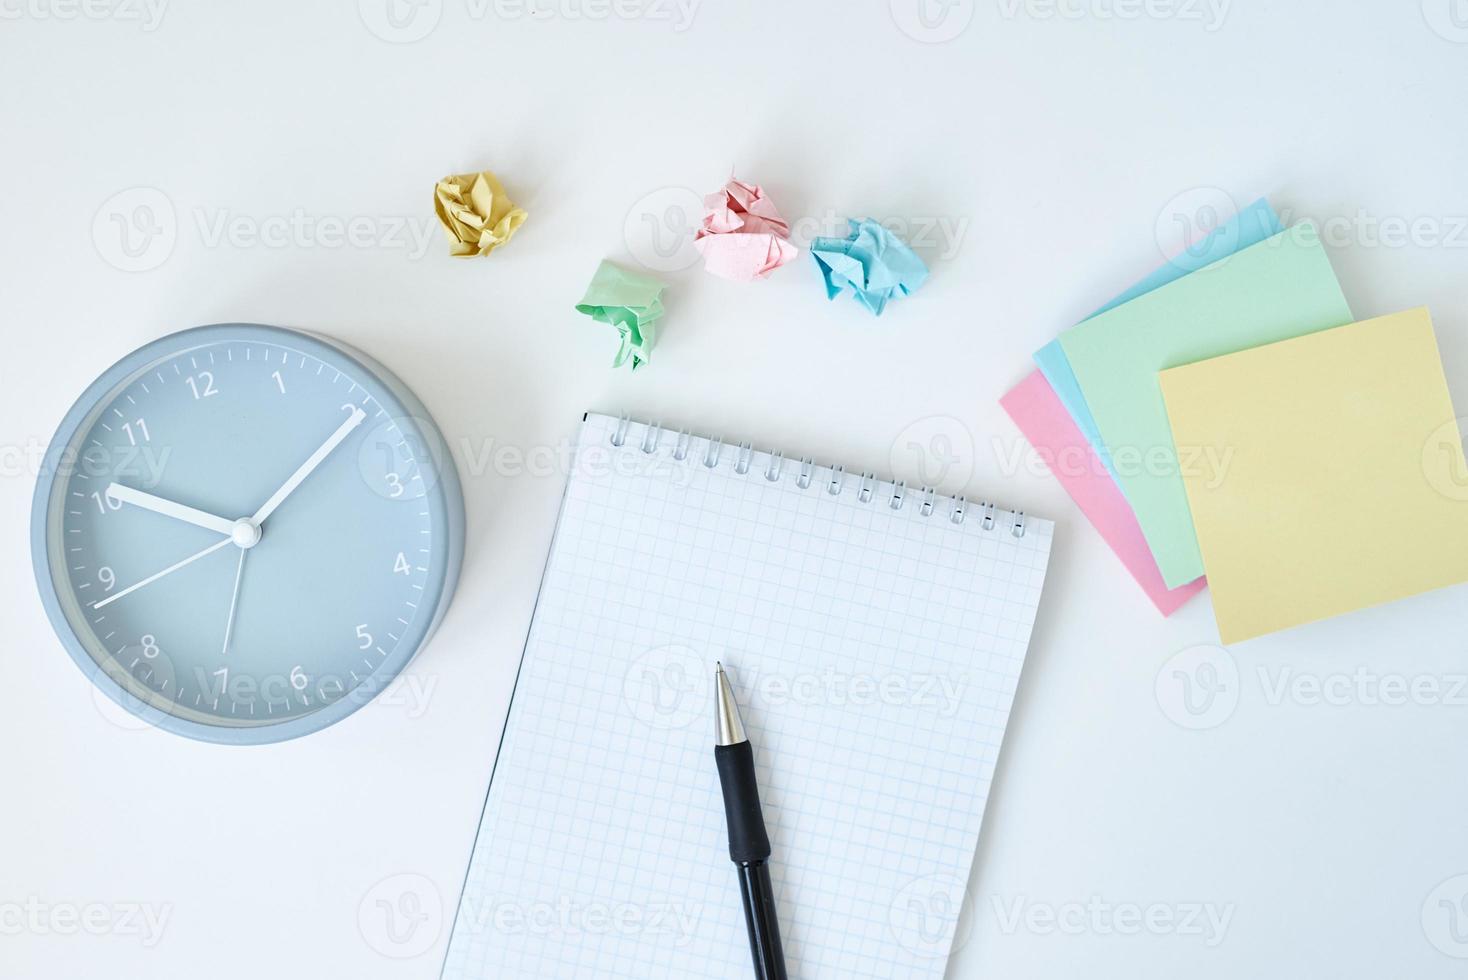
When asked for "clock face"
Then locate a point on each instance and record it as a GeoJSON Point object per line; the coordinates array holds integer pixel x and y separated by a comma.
{"type": "Point", "coordinates": [244, 532]}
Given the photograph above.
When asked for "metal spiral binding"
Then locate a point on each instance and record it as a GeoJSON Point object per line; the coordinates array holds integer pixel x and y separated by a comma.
{"type": "Point", "coordinates": [741, 462]}
{"type": "Point", "coordinates": [651, 442]}
{"type": "Point", "coordinates": [650, 438]}
{"type": "Point", "coordinates": [620, 435]}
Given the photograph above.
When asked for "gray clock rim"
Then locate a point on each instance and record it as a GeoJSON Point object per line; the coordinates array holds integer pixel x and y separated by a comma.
{"type": "Point", "coordinates": [445, 501]}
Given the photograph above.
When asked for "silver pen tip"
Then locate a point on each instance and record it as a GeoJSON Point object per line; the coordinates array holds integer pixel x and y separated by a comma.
{"type": "Point", "coordinates": [728, 726]}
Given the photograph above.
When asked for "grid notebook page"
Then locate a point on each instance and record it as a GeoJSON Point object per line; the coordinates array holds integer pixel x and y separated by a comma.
{"type": "Point", "coordinates": [874, 652]}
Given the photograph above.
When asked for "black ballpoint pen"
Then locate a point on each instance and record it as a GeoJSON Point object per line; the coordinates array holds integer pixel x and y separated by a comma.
{"type": "Point", "coordinates": [749, 845]}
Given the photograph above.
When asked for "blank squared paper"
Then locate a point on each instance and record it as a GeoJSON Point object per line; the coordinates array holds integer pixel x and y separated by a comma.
{"type": "Point", "coordinates": [875, 653]}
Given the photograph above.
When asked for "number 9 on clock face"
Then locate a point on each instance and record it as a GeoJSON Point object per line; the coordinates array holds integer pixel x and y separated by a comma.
{"type": "Point", "coordinates": [242, 532]}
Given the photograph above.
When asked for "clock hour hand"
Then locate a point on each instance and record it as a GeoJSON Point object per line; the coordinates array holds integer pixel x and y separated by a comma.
{"type": "Point", "coordinates": [304, 470]}
{"type": "Point", "coordinates": [169, 508]}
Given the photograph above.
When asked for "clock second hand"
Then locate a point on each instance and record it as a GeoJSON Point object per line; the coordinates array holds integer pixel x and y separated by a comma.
{"type": "Point", "coordinates": [157, 575]}
{"type": "Point", "coordinates": [234, 600]}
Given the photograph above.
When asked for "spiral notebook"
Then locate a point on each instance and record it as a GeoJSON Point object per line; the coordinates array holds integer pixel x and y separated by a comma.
{"type": "Point", "coordinates": [875, 635]}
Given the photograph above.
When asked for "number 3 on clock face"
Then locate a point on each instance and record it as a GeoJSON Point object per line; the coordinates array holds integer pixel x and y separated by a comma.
{"type": "Point", "coordinates": [242, 533]}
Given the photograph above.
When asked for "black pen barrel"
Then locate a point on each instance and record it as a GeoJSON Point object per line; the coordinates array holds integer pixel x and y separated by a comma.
{"type": "Point", "coordinates": [762, 922]}
{"type": "Point", "coordinates": [748, 841]}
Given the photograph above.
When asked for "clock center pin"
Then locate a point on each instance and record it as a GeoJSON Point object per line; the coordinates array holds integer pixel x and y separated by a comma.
{"type": "Point", "coordinates": [245, 533]}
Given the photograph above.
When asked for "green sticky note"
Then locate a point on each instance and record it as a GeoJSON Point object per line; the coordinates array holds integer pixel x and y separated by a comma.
{"type": "Point", "coordinates": [1281, 288]}
{"type": "Point", "coordinates": [630, 302]}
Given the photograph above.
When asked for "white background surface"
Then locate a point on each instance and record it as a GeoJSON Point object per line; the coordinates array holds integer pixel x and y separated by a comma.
{"type": "Point", "coordinates": [1037, 156]}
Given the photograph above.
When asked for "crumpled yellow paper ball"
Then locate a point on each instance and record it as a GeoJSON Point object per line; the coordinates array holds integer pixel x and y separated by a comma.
{"type": "Point", "coordinates": [476, 213]}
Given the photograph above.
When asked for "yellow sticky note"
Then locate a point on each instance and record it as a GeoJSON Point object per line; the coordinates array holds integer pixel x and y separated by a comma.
{"type": "Point", "coordinates": [1325, 473]}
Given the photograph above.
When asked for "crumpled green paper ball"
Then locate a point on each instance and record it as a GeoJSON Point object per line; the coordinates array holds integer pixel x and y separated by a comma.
{"type": "Point", "coordinates": [631, 303]}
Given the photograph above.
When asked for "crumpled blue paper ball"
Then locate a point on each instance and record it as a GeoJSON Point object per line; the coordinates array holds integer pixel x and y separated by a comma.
{"type": "Point", "coordinates": [870, 261]}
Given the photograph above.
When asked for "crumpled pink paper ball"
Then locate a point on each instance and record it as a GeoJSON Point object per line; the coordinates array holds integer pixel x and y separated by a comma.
{"type": "Point", "coordinates": [742, 236]}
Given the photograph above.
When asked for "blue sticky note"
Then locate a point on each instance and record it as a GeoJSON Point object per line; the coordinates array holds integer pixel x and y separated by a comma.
{"type": "Point", "coordinates": [1250, 226]}
{"type": "Point", "coordinates": [870, 261]}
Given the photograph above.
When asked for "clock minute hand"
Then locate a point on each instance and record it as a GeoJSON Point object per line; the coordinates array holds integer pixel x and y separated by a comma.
{"type": "Point", "coordinates": [304, 470]}
{"type": "Point", "coordinates": [169, 508]}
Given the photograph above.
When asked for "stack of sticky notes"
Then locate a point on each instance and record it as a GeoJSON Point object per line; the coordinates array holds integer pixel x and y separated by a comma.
{"type": "Point", "coordinates": [1226, 417]}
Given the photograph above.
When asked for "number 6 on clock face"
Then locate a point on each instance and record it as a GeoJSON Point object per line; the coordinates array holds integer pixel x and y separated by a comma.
{"type": "Point", "coordinates": [242, 533]}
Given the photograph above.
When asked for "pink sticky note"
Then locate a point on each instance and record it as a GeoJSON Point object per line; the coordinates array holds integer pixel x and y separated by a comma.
{"type": "Point", "coordinates": [1041, 416]}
